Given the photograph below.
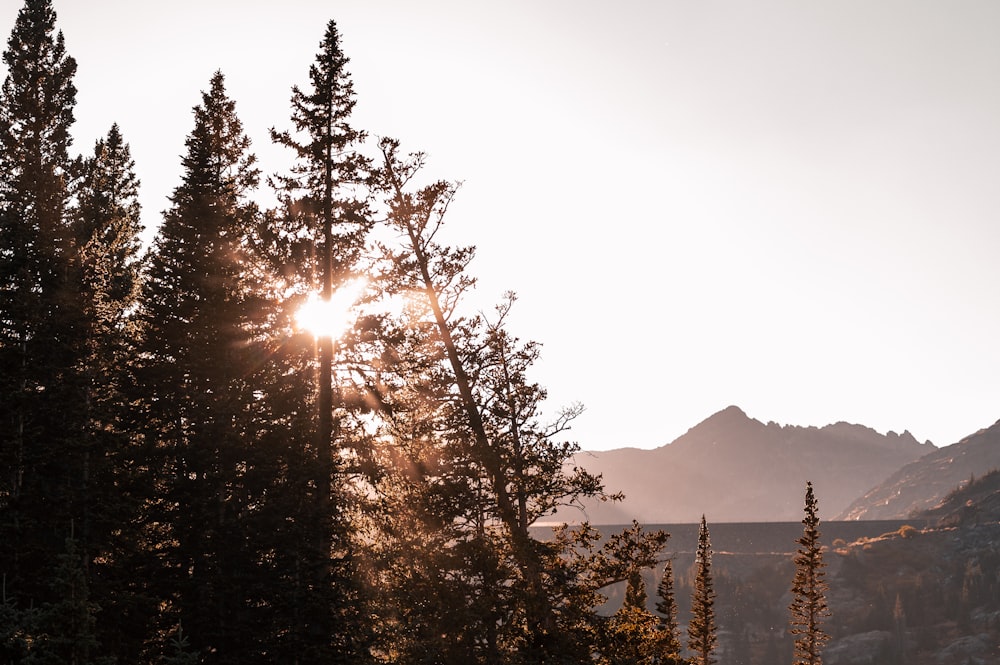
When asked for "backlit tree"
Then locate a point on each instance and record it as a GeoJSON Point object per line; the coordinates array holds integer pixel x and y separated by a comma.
{"type": "Point", "coordinates": [43, 449]}
{"type": "Point", "coordinates": [317, 242]}
{"type": "Point", "coordinates": [202, 414]}
{"type": "Point", "coordinates": [809, 607]}
{"type": "Point", "coordinates": [702, 637]}
{"type": "Point", "coordinates": [501, 465]}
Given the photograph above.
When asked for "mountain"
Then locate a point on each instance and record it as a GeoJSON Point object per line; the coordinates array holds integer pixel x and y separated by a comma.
{"type": "Point", "coordinates": [733, 468]}
{"type": "Point", "coordinates": [922, 484]}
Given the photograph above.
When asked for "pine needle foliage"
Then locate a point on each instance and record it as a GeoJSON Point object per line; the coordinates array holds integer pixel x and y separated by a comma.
{"type": "Point", "coordinates": [670, 641]}
{"type": "Point", "coordinates": [809, 607]}
{"type": "Point", "coordinates": [702, 631]}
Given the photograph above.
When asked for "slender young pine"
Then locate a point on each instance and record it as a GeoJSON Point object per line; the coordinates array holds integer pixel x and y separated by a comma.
{"type": "Point", "coordinates": [809, 608]}
{"type": "Point", "coordinates": [667, 607]}
{"type": "Point", "coordinates": [702, 637]}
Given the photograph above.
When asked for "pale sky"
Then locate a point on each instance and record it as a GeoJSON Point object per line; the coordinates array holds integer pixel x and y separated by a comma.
{"type": "Point", "coordinates": [789, 206]}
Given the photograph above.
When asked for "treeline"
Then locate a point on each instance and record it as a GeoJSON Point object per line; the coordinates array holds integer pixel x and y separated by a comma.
{"type": "Point", "coordinates": [187, 476]}
{"type": "Point", "coordinates": [172, 487]}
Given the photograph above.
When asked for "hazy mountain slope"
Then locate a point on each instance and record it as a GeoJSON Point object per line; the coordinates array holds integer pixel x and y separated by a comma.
{"type": "Point", "coordinates": [975, 502]}
{"type": "Point", "coordinates": [923, 484]}
{"type": "Point", "coordinates": [733, 468]}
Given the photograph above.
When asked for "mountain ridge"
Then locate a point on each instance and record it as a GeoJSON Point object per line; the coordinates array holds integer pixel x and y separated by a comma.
{"type": "Point", "coordinates": [735, 468]}
{"type": "Point", "coordinates": [921, 484]}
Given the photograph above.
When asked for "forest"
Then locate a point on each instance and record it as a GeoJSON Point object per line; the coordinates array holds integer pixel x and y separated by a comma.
{"type": "Point", "coordinates": [192, 474]}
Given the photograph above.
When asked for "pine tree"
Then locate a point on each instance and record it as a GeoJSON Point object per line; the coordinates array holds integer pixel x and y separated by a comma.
{"type": "Point", "coordinates": [200, 357]}
{"type": "Point", "coordinates": [670, 641]}
{"type": "Point", "coordinates": [632, 635]}
{"type": "Point", "coordinates": [809, 609]}
{"type": "Point", "coordinates": [42, 387]}
{"type": "Point", "coordinates": [63, 630]}
{"type": "Point", "coordinates": [702, 635]}
{"type": "Point", "coordinates": [106, 228]}
{"type": "Point", "coordinates": [320, 232]}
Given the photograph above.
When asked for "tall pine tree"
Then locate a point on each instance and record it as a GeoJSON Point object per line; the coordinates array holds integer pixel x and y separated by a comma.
{"type": "Point", "coordinates": [321, 231]}
{"type": "Point", "coordinates": [702, 636]}
{"type": "Point", "coordinates": [809, 608]}
{"type": "Point", "coordinates": [43, 392]}
{"type": "Point", "coordinates": [107, 227]}
{"type": "Point", "coordinates": [199, 364]}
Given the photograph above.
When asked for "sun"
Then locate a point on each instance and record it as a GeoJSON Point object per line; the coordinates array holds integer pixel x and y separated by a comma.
{"type": "Point", "coordinates": [330, 318]}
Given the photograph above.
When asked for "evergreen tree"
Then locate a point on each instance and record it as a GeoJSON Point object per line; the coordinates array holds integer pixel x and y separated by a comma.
{"type": "Point", "coordinates": [13, 633]}
{"type": "Point", "coordinates": [633, 638]}
{"type": "Point", "coordinates": [809, 608]}
{"type": "Point", "coordinates": [320, 232]}
{"type": "Point", "coordinates": [670, 641]}
{"type": "Point", "coordinates": [702, 637]}
{"type": "Point", "coordinates": [63, 630]}
{"type": "Point", "coordinates": [43, 449]}
{"type": "Point", "coordinates": [180, 650]}
{"type": "Point", "coordinates": [106, 231]}
{"type": "Point", "coordinates": [204, 420]}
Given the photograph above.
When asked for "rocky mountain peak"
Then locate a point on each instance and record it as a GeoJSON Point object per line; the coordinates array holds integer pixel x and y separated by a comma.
{"type": "Point", "coordinates": [732, 467]}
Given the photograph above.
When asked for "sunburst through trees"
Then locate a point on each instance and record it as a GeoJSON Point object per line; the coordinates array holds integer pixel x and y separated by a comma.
{"type": "Point", "coordinates": [206, 482]}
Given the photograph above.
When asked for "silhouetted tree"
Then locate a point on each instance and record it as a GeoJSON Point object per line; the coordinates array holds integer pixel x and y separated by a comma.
{"type": "Point", "coordinates": [106, 227]}
{"type": "Point", "coordinates": [702, 636]}
{"type": "Point", "coordinates": [200, 370]}
{"type": "Point", "coordinates": [809, 607]}
{"type": "Point", "coordinates": [63, 630]}
{"type": "Point", "coordinates": [324, 220]}
{"type": "Point", "coordinates": [43, 448]}
{"type": "Point", "coordinates": [632, 635]}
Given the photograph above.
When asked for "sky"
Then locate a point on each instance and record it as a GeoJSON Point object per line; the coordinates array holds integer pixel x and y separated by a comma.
{"type": "Point", "coordinates": [792, 207]}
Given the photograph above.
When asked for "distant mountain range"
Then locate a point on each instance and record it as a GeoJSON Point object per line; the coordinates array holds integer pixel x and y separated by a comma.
{"type": "Point", "coordinates": [923, 484]}
{"type": "Point", "coordinates": [733, 468]}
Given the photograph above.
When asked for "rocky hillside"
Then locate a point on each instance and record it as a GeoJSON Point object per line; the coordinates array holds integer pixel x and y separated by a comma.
{"type": "Point", "coordinates": [733, 468]}
{"type": "Point", "coordinates": [924, 483]}
{"type": "Point", "coordinates": [920, 592]}
{"type": "Point", "coordinates": [922, 596]}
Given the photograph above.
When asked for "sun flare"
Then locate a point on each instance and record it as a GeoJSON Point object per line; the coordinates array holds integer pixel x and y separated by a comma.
{"type": "Point", "coordinates": [330, 318]}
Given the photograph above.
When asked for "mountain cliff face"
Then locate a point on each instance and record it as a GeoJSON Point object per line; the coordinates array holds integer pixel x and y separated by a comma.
{"type": "Point", "coordinates": [733, 468]}
{"type": "Point", "coordinates": [924, 483]}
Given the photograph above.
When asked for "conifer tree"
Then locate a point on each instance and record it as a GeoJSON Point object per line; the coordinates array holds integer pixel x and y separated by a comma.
{"type": "Point", "coordinates": [809, 608]}
{"type": "Point", "coordinates": [702, 635]}
{"type": "Point", "coordinates": [670, 641]}
{"type": "Point", "coordinates": [319, 233]}
{"type": "Point", "coordinates": [633, 637]}
{"type": "Point", "coordinates": [106, 226]}
{"type": "Point", "coordinates": [63, 630]}
{"type": "Point", "coordinates": [106, 229]}
{"type": "Point", "coordinates": [42, 390]}
{"type": "Point", "coordinates": [199, 365]}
